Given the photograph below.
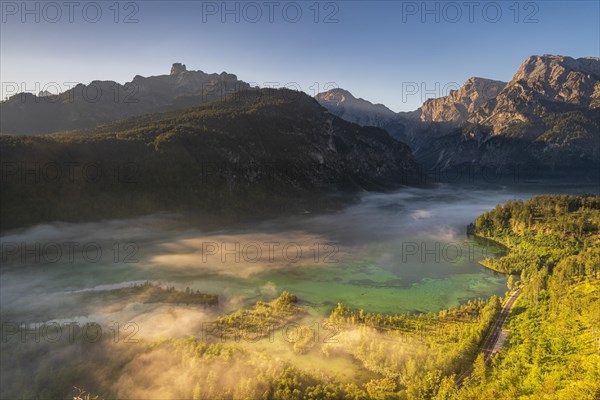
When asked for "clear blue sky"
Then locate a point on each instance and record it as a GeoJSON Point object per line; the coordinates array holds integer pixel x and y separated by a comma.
{"type": "Point", "coordinates": [377, 50]}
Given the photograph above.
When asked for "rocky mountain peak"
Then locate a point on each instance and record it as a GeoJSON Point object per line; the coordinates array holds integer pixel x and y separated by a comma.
{"type": "Point", "coordinates": [551, 67]}
{"type": "Point", "coordinates": [481, 87]}
{"type": "Point", "coordinates": [456, 107]}
{"type": "Point", "coordinates": [559, 78]}
{"type": "Point", "coordinates": [542, 81]}
{"type": "Point", "coordinates": [72, 109]}
{"type": "Point", "coordinates": [342, 103]}
{"type": "Point", "coordinates": [178, 68]}
{"type": "Point", "coordinates": [336, 96]}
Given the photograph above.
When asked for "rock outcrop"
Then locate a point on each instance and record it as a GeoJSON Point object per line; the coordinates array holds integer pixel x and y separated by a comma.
{"type": "Point", "coordinates": [546, 120]}
{"type": "Point", "coordinates": [99, 102]}
{"type": "Point", "coordinates": [547, 116]}
{"type": "Point", "coordinates": [540, 85]}
{"type": "Point", "coordinates": [460, 104]}
{"type": "Point", "coordinates": [178, 68]}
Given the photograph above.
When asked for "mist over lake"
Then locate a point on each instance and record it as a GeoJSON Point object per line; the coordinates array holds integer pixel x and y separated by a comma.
{"type": "Point", "coordinates": [400, 252]}
{"type": "Point", "coordinates": [302, 200]}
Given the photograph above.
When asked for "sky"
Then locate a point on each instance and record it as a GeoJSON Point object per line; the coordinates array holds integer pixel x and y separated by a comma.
{"type": "Point", "coordinates": [394, 53]}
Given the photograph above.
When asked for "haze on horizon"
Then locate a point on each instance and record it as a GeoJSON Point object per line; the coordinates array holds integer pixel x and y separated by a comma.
{"type": "Point", "coordinates": [308, 46]}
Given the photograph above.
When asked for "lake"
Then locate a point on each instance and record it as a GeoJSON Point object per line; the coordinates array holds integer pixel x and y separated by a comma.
{"type": "Point", "coordinates": [396, 252]}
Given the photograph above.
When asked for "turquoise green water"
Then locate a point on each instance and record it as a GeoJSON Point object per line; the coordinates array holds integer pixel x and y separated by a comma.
{"type": "Point", "coordinates": [394, 253]}
{"type": "Point", "coordinates": [398, 252]}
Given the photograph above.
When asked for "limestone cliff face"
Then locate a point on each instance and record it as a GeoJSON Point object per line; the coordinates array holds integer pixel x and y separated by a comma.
{"type": "Point", "coordinates": [546, 117]}
{"type": "Point", "coordinates": [542, 84]}
{"type": "Point", "coordinates": [560, 78]}
{"type": "Point", "coordinates": [459, 104]}
{"type": "Point", "coordinates": [434, 118]}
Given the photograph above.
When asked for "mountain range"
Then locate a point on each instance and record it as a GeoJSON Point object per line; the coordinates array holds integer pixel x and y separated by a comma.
{"type": "Point", "coordinates": [546, 119]}
{"type": "Point", "coordinates": [99, 102]}
{"type": "Point", "coordinates": [250, 152]}
{"type": "Point", "coordinates": [212, 142]}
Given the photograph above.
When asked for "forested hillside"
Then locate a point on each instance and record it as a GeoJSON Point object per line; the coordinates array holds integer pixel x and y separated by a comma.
{"type": "Point", "coordinates": [279, 350]}
{"type": "Point", "coordinates": [253, 152]}
{"type": "Point", "coordinates": [559, 233]}
{"type": "Point", "coordinates": [554, 343]}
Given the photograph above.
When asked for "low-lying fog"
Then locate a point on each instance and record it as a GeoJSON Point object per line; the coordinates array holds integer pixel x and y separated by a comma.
{"type": "Point", "coordinates": [406, 251]}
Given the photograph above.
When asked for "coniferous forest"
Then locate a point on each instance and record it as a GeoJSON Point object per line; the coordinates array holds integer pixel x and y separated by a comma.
{"type": "Point", "coordinates": [340, 200]}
